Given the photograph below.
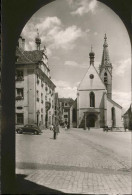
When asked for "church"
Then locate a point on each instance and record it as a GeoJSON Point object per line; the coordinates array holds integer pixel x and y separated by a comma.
{"type": "Point", "coordinates": [95, 107]}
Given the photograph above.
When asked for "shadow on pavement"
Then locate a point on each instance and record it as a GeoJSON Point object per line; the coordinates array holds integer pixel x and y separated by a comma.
{"type": "Point", "coordinates": [27, 187]}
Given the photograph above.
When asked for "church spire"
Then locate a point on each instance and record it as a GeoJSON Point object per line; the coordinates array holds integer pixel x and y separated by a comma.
{"type": "Point", "coordinates": [105, 57]}
{"type": "Point", "coordinates": [105, 69]}
{"type": "Point", "coordinates": [38, 41]}
{"type": "Point", "coordinates": [91, 56]}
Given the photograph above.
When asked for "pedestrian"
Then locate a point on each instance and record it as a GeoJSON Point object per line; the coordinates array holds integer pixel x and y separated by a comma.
{"type": "Point", "coordinates": [56, 129]}
{"type": "Point", "coordinates": [88, 127]}
{"type": "Point", "coordinates": [65, 126]}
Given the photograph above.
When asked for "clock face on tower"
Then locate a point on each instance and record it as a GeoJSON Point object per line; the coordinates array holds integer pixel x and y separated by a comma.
{"type": "Point", "coordinates": [91, 76]}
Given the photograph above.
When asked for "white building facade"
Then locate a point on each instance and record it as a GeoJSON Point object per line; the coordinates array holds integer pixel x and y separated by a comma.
{"type": "Point", "coordinates": [34, 88]}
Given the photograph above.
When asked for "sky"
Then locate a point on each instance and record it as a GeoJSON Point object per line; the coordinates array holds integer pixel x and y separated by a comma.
{"type": "Point", "coordinates": [68, 28]}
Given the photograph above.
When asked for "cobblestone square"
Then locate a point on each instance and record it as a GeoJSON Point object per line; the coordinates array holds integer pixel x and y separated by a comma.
{"type": "Point", "coordinates": [78, 161]}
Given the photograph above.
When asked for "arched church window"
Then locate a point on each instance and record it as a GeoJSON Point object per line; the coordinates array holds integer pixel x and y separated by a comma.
{"type": "Point", "coordinates": [113, 117]}
{"type": "Point", "coordinates": [105, 77]}
{"type": "Point", "coordinates": [92, 99]}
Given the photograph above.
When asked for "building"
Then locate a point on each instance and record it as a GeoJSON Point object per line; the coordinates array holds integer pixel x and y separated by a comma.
{"type": "Point", "coordinates": [65, 110]}
{"type": "Point", "coordinates": [127, 117]}
{"type": "Point", "coordinates": [95, 107]}
{"type": "Point", "coordinates": [34, 87]}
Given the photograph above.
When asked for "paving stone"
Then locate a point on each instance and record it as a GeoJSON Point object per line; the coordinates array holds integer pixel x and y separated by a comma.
{"type": "Point", "coordinates": [75, 163]}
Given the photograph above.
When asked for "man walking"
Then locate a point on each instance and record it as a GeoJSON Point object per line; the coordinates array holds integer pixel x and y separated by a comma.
{"type": "Point", "coordinates": [56, 128]}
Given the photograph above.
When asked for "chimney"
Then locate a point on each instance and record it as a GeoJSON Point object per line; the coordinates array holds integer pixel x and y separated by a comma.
{"type": "Point", "coordinates": [21, 43]}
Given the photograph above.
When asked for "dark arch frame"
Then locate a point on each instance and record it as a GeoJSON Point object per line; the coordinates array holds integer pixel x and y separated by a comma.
{"type": "Point", "coordinates": [15, 14]}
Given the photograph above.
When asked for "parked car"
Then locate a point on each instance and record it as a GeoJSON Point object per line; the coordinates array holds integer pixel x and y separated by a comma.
{"type": "Point", "coordinates": [30, 128]}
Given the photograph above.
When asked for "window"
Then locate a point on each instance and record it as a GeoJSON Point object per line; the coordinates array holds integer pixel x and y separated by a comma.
{"type": "Point", "coordinates": [19, 94]}
{"type": "Point", "coordinates": [65, 116]}
{"type": "Point", "coordinates": [42, 110]}
{"type": "Point", "coordinates": [37, 94]}
{"type": "Point", "coordinates": [20, 118]}
{"type": "Point", "coordinates": [66, 110]}
{"type": "Point", "coordinates": [113, 117]}
{"type": "Point", "coordinates": [19, 75]}
{"type": "Point", "coordinates": [105, 77]}
{"type": "Point", "coordinates": [41, 119]}
{"type": "Point", "coordinates": [37, 79]}
{"type": "Point", "coordinates": [42, 84]}
{"type": "Point", "coordinates": [91, 76]}
{"type": "Point", "coordinates": [66, 104]}
{"type": "Point", "coordinates": [19, 108]}
{"type": "Point", "coordinates": [92, 99]}
{"type": "Point", "coordinates": [41, 97]}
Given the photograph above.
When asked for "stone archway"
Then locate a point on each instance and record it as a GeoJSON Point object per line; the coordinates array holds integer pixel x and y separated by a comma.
{"type": "Point", "coordinates": [15, 15]}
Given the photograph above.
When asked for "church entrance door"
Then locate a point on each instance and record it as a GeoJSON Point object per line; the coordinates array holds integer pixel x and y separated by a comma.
{"type": "Point", "coordinates": [91, 120]}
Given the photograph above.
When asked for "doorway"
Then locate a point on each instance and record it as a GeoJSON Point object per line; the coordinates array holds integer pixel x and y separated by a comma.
{"type": "Point", "coordinates": [91, 120]}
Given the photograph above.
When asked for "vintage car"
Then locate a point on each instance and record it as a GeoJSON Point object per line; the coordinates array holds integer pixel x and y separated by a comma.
{"type": "Point", "coordinates": [29, 128]}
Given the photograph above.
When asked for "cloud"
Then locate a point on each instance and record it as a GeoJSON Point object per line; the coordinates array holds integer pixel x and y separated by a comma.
{"type": "Point", "coordinates": [122, 98]}
{"type": "Point", "coordinates": [122, 66]}
{"type": "Point", "coordinates": [95, 33]}
{"type": "Point", "coordinates": [82, 7]}
{"type": "Point", "coordinates": [52, 33]}
{"type": "Point", "coordinates": [65, 90]}
{"type": "Point", "coordinates": [87, 30]}
{"type": "Point", "coordinates": [63, 38]}
{"type": "Point", "coordinates": [75, 64]}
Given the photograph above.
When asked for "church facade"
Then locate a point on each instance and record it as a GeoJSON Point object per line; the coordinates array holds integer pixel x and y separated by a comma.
{"type": "Point", "coordinates": [95, 107]}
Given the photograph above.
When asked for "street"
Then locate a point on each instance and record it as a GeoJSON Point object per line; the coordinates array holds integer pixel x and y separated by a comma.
{"type": "Point", "coordinates": [78, 161]}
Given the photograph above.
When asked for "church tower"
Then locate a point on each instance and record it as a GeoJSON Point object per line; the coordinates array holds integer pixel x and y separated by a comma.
{"type": "Point", "coordinates": [105, 69]}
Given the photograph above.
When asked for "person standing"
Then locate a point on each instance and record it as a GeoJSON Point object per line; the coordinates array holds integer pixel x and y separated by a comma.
{"type": "Point", "coordinates": [56, 129]}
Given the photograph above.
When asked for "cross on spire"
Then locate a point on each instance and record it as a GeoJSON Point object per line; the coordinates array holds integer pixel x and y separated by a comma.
{"type": "Point", "coordinates": [91, 48]}
{"type": "Point", "coordinates": [105, 38]}
{"type": "Point", "coordinates": [37, 32]}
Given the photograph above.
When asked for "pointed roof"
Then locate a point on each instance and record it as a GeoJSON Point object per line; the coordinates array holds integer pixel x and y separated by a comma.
{"type": "Point", "coordinates": [105, 57]}
{"type": "Point", "coordinates": [91, 80]}
{"type": "Point", "coordinates": [28, 57]}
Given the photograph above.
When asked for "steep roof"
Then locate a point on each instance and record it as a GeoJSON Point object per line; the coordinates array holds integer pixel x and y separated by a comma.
{"type": "Point", "coordinates": [25, 57]}
{"type": "Point", "coordinates": [90, 84]}
{"type": "Point", "coordinates": [129, 110]}
{"type": "Point", "coordinates": [112, 101]}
